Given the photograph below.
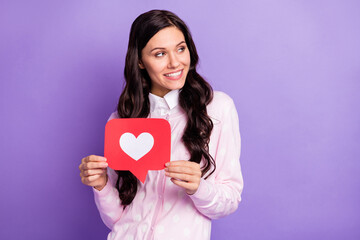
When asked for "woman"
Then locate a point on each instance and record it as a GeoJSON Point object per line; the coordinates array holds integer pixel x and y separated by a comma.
{"type": "Point", "coordinates": [203, 180]}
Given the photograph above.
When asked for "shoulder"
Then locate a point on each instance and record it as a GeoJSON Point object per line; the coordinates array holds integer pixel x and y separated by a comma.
{"type": "Point", "coordinates": [221, 102]}
{"type": "Point", "coordinates": [113, 116]}
{"type": "Point", "coordinates": [221, 107]}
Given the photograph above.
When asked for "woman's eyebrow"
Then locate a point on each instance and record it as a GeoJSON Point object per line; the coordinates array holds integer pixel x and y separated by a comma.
{"type": "Point", "coordinates": [164, 48]}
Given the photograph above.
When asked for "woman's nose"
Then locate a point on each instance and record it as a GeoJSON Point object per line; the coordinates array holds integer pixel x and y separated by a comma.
{"type": "Point", "coordinates": [173, 61]}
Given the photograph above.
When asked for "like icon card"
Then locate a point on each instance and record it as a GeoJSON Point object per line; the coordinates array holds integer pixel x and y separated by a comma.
{"type": "Point", "coordinates": [137, 145]}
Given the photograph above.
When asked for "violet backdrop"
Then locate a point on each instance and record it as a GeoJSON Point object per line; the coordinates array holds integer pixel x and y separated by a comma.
{"type": "Point", "coordinates": [292, 68]}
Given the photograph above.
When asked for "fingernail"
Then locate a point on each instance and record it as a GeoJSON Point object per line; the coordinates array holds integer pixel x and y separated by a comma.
{"type": "Point", "coordinates": [167, 164]}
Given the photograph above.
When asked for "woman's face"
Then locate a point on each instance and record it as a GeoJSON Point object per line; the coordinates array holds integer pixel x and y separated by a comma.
{"type": "Point", "coordinates": [166, 58]}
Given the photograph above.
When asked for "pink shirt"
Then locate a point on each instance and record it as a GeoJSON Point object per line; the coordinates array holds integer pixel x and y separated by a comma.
{"type": "Point", "coordinates": [163, 211]}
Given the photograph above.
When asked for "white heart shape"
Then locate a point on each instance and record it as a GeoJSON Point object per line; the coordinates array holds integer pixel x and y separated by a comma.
{"type": "Point", "coordinates": [136, 148]}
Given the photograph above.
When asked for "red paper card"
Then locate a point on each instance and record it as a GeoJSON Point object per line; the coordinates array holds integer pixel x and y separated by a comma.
{"type": "Point", "coordinates": [137, 145]}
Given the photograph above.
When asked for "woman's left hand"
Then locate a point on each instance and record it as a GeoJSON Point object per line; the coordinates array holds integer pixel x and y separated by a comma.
{"type": "Point", "coordinates": [185, 174]}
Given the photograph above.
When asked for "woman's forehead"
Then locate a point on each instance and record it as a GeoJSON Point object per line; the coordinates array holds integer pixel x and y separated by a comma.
{"type": "Point", "coordinates": [165, 38]}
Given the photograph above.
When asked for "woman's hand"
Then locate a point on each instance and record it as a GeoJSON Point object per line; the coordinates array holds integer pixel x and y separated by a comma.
{"type": "Point", "coordinates": [185, 174]}
{"type": "Point", "coordinates": [93, 171]}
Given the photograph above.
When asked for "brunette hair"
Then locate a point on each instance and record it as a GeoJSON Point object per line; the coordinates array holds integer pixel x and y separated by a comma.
{"type": "Point", "coordinates": [195, 95]}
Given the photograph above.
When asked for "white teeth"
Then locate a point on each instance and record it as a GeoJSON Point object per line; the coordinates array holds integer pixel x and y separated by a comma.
{"type": "Point", "coordinates": [173, 74]}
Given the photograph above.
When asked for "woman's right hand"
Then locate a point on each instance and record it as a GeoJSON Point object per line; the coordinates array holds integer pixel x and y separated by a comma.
{"type": "Point", "coordinates": [93, 171]}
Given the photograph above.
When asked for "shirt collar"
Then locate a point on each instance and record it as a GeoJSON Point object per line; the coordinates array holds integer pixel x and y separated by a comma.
{"type": "Point", "coordinates": [170, 100]}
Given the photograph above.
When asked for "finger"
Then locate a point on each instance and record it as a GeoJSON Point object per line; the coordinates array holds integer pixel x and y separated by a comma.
{"type": "Point", "coordinates": [95, 158]}
{"type": "Point", "coordinates": [182, 169]}
{"type": "Point", "coordinates": [93, 178]}
{"type": "Point", "coordinates": [90, 180]}
{"type": "Point", "coordinates": [182, 177]}
{"type": "Point", "coordinates": [182, 163]}
{"type": "Point", "coordinates": [91, 172]}
{"type": "Point", "coordinates": [93, 165]}
{"type": "Point", "coordinates": [190, 188]}
{"type": "Point", "coordinates": [91, 158]}
{"type": "Point", "coordinates": [180, 183]}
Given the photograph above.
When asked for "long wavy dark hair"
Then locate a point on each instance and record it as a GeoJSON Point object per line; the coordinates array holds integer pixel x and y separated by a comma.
{"type": "Point", "coordinates": [195, 95]}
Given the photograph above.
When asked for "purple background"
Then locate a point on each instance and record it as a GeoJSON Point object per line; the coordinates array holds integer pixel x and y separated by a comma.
{"type": "Point", "coordinates": [292, 68]}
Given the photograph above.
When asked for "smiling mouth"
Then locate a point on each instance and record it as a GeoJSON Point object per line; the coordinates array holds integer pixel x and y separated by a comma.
{"type": "Point", "coordinates": [175, 74]}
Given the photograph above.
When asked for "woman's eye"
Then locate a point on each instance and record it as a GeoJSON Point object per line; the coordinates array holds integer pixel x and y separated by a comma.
{"type": "Point", "coordinates": [160, 54]}
{"type": "Point", "coordinates": [181, 49]}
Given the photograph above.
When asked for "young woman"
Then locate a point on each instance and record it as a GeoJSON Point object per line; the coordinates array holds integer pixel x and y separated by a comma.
{"type": "Point", "coordinates": [203, 180]}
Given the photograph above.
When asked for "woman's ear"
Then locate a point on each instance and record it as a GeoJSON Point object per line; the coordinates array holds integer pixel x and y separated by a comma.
{"type": "Point", "coordinates": [141, 65]}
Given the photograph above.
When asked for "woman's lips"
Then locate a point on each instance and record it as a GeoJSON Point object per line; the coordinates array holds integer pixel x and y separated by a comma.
{"type": "Point", "coordinates": [174, 75]}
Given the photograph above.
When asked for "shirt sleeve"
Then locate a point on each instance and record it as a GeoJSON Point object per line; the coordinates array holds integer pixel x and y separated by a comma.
{"type": "Point", "coordinates": [107, 200]}
{"type": "Point", "coordinates": [220, 195]}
